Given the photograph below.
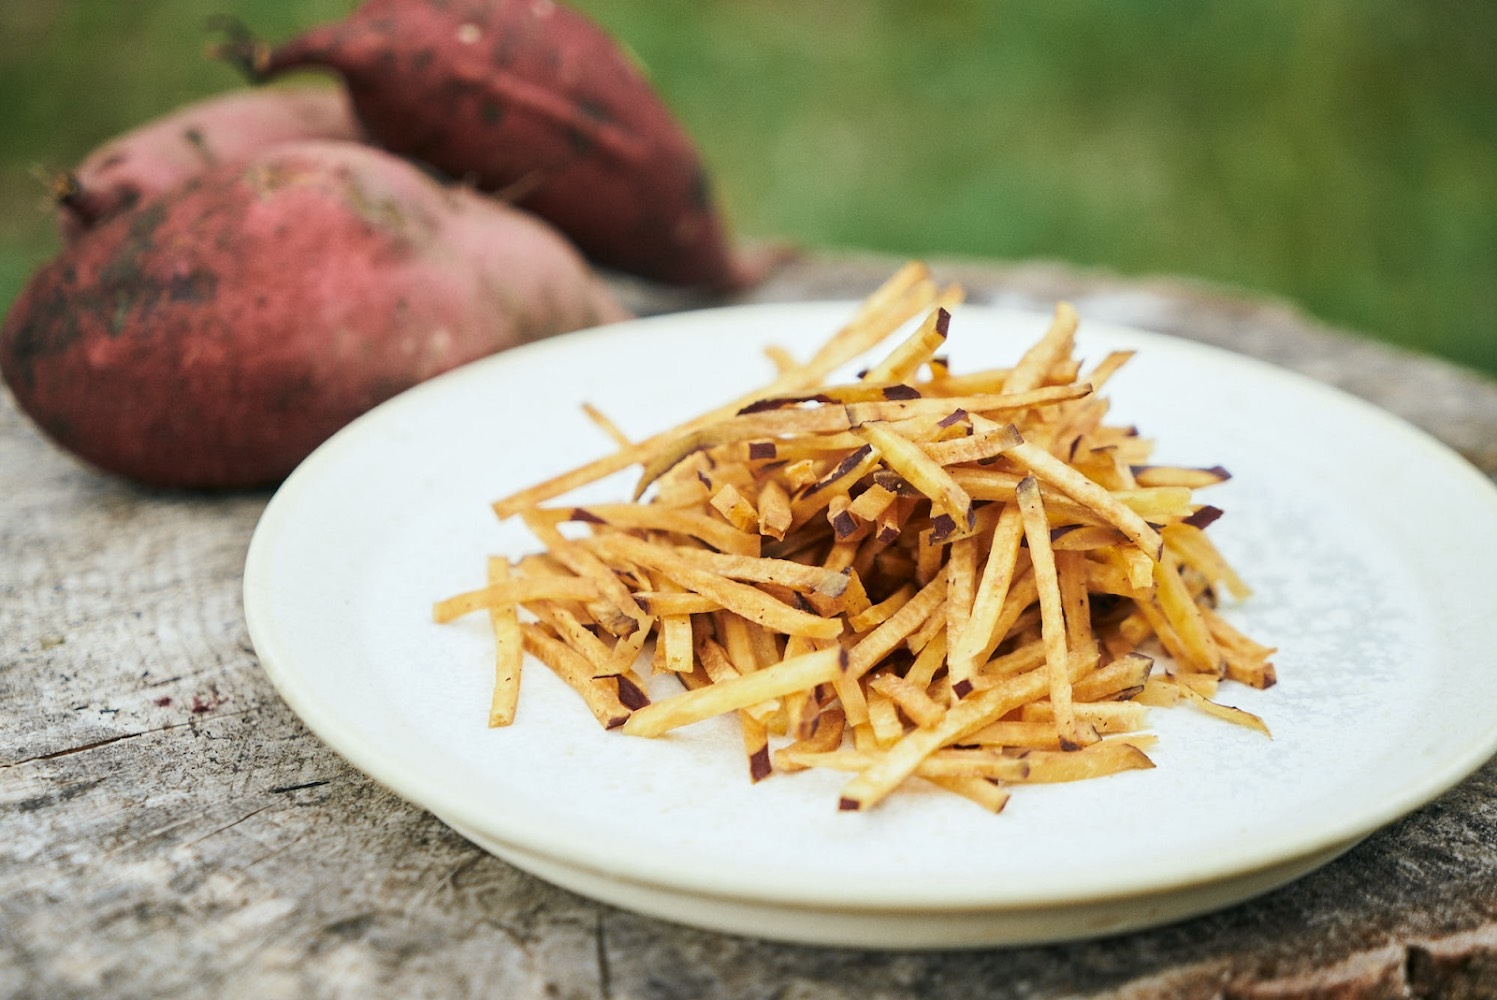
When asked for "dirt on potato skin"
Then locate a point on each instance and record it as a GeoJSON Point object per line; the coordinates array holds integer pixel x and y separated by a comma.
{"type": "Point", "coordinates": [213, 336]}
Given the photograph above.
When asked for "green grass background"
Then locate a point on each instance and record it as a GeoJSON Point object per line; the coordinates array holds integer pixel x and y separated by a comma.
{"type": "Point", "coordinates": [1342, 155]}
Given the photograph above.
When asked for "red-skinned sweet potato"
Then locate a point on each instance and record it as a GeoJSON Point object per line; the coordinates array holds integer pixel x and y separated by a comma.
{"type": "Point", "coordinates": [225, 129]}
{"type": "Point", "coordinates": [213, 336]}
{"type": "Point", "coordinates": [532, 99]}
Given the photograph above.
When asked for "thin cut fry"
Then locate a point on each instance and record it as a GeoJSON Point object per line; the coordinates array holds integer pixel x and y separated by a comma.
{"type": "Point", "coordinates": [786, 677]}
{"type": "Point", "coordinates": [509, 650]}
{"type": "Point", "coordinates": [753, 604]}
{"type": "Point", "coordinates": [987, 605]}
{"type": "Point", "coordinates": [1046, 466]}
{"type": "Point", "coordinates": [600, 695]}
{"type": "Point", "coordinates": [509, 592]}
{"type": "Point", "coordinates": [961, 577]}
{"type": "Point", "coordinates": [1052, 616]}
{"type": "Point", "coordinates": [1228, 712]}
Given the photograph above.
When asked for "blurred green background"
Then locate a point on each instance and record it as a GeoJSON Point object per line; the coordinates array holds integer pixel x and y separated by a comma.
{"type": "Point", "coordinates": [1342, 155]}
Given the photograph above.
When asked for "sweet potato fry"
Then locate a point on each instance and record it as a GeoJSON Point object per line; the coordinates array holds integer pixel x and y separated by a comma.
{"type": "Point", "coordinates": [509, 649]}
{"type": "Point", "coordinates": [961, 577]}
{"type": "Point", "coordinates": [787, 677]}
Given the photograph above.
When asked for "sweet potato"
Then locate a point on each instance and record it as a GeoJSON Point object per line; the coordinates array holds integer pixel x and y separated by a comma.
{"type": "Point", "coordinates": [214, 335]}
{"type": "Point", "coordinates": [532, 99]}
{"type": "Point", "coordinates": [159, 155]}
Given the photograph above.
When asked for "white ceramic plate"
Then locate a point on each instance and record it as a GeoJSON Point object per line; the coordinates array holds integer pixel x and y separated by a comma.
{"type": "Point", "coordinates": [1370, 547]}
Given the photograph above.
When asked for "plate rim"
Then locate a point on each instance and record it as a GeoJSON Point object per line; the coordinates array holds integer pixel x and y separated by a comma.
{"type": "Point", "coordinates": [437, 797]}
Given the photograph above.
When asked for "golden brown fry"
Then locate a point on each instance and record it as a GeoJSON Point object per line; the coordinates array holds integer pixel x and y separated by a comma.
{"type": "Point", "coordinates": [910, 698]}
{"type": "Point", "coordinates": [883, 719]}
{"type": "Point", "coordinates": [984, 443]}
{"type": "Point", "coordinates": [872, 502]}
{"type": "Point", "coordinates": [987, 605]}
{"type": "Point", "coordinates": [953, 504]}
{"type": "Point", "coordinates": [1001, 403]}
{"type": "Point", "coordinates": [1103, 758]}
{"type": "Point", "coordinates": [733, 506]}
{"type": "Point", "coordinates": [758, 569]}
{"type": "Point", "coordinates": [931, 658]}
{"type": "Point", "coordinates": [514, 591]}
{"type": "Point", "coordinates": [710, 529]}
{"type": "Point", "coordinates": [1070, 571]}
{"type": "Point", "coordinates": [747, 601]}
{"type": "Point", "coordinates": [600, 695]}
{"type": "Point", "coordinates": [659, 604]}
{"type": "Point", "coordinates": [1020, 610]}
{"type": "Point", "coordinates": [1157, 503]}
{"type": "Point", "coordinates": [971, 763]}
{"type": "Point", "coordinates": [966, 716]}
{"type": "Point", "coordinates": [1106, 716]}
{"type": "Point", "coordinates": [906, 294]}
{"type": "Point", "coordinates": [606, 425]}
{"type": "Point", "coordinates": [1228, 712]}
{"type": "Point", "coordinates": [1195, 548]}
{"type": "Point", "coordinates": [1036, 735]}
{"type": "Point", "coordinates": [784, 678]}
{"type": "Point", "coordinates": [1108, 367]}
{"type": "Point", "coordinates": [1198, 648]}
{"type": "Point", "coordinates": [982, 791]}
{"type": "Point", "coordinates": [1081, 537]}
{"type": "Point", "coordinates": [1122, 678]}
{"type": "Point", "coordinates": [775, 515]}
{"type": "Point", "coordinates": [509, 649]}
{"type": "Point", "coordinates": [1012, 538]}
{"type": "Point", "coordinates": [1052, 615]}
{"type": "Point", "coordinates": [1050, 351]}
{"type": "Point", "coordinates": [918, 348]}
{"type": "Point", "coordinates": [876, 614]}
{"type": "Point", "coordinates": [877, 644]}
{"type": "Point", "coordinates": [1174, 475]}
{"type": "Point", "coordinates": [755, 747]}
{"type": "Point", "coordinates": [817, 496]}
{"type": "Point", "coordinates": [1052, 470]}
{"type": "Point", "coordinates": [615, 609]}
{"type": "Point", "coordinates": [825, 735]}
{"type": "Point", "coordinates": [961, 593]}
{"type": "Point", "coordinates": [1247, 661]}
{"type": "Point", "coordinates": [1017, 661]}
{"type": "Point", "coordinates": [566, 626]}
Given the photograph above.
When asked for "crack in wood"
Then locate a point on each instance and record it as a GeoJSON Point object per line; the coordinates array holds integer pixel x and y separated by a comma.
{"type": "Point", "coordinates": [89, 904]}
{"type": "Point", "coordinates": [227, 826]}
{"type": "Point", "coordinates": [192, 723]}
{"type": "Point", "coordinates": [78, 749]}
{"type": "Point", "coordinates": [605, 974]}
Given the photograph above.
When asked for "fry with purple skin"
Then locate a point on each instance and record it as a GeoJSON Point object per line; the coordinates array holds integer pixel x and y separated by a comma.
{"type": "Point", "coordinates": [974, 600]}
{"type": "Point", "coordinates": [1052, 617]}
{"type": "Point", "coordinates": [800, 673]}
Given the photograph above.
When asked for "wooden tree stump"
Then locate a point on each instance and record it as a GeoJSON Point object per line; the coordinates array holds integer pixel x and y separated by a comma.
{"type": "Point", "coordinates": [169, 828]}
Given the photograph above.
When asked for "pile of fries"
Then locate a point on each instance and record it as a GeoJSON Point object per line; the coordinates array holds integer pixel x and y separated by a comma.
{"type": "Point", "coordinates": [965, 578]}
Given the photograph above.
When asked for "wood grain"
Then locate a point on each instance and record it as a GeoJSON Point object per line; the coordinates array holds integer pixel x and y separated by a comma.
{"type": "Point", "coordinates": [169, 828]}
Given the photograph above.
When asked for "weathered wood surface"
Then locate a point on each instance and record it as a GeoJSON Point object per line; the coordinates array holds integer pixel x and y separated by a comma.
{"type": "Point", "coordinates": [169, 828]}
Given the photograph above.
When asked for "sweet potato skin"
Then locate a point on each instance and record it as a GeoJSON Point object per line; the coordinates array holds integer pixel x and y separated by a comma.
{"type": "Point", "coordinates": [224, 129]}
{"type": "Point", "coordinates": [213, 336]}
{"type": "Point", "coordinates": [532, 99]}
